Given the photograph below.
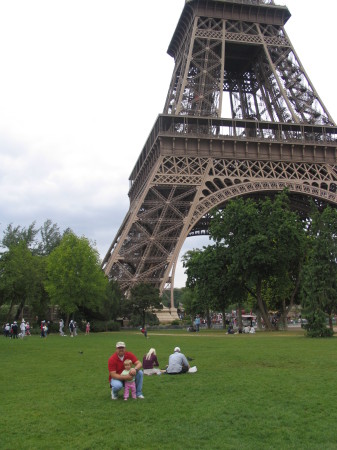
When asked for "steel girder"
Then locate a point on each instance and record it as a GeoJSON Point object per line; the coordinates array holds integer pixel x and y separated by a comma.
{"type": "Point", "coordinates": [233, 59]}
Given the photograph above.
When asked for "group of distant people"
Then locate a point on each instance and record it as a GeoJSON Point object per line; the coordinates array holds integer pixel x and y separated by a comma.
{"type": "Point", "coordinates": [125, 370]}
{"type": "Point", "coordinates": [14, 330]}
{"type": "Point", "coordinates": [72, 328]}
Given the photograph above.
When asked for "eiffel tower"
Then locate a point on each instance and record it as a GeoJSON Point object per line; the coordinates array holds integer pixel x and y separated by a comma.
{"type": "Point", "coordinates": [241, 118]}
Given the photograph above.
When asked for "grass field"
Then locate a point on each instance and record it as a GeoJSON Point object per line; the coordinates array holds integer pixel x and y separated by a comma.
{"type": "Point", "coordinates": [266, 391]}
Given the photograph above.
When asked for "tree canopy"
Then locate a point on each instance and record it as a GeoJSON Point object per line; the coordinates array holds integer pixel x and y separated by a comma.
{"type": "Point", "coordinates": [74, 275]}
{"type": "Point", "coordinates": [143, 300]}
{"type": "Point", "coordinates": [319, 287]}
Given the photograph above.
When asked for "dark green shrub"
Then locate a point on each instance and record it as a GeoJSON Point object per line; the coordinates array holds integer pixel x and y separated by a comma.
{"type": "Point", "coordinates": [316, 326]}
{"type": "Point", "coordinates": [103, 325]}
{"type": "Point", "coordinates": [53, 327]}
{"type": "Point", "coordinates": [176, 322]}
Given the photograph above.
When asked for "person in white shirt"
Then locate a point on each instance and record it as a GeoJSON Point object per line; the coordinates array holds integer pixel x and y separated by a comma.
{"type": "Point", "coordinates": [23, 328]}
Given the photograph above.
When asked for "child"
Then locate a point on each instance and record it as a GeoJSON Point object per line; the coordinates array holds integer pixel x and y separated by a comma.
{"type": "Point", "coordinates": [129, 384]}
{"type": "Point", "coordinates": [144, 331]}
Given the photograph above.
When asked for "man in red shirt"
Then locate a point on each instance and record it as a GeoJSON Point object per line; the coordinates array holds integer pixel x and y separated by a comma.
{"type": "Point", "coordinates": [116, 367]}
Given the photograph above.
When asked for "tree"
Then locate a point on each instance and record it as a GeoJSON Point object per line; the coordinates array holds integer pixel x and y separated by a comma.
{"type": "Point", "coordinates": [21, 277]}
{"type": "Point", "coordinates": [207, 274]}
{"type": "Point", "coordinates": [15, 235]}
{"type": "Point", "coordinates": [144, 300]}
{"type": "Point", "coordinates": [263, 239]}
{"type": "Point", "coordinates": [112, 303]}
{"type": "Point", "coordinates": [74, 275]}
{"type": "Point", "coordinates": [50, 238]}
{"type": "Point", "coordinates": [189, 301]}
{"type": "Point", "coordinates": [319, 288]}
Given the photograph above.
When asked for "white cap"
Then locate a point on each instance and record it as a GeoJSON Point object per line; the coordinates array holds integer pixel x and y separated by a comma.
{"type": "Point", "coordinates": [177, 349]}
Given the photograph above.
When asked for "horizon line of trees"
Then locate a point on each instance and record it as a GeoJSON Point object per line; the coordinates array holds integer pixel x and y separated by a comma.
{"type": "Point", "coordinates": [42, 267]}
{"type": "Point", "coordinates": [266, 256]}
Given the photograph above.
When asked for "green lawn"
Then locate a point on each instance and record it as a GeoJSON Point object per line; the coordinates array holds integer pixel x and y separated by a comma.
{"type": "Point", "coordinates": [266, 391]}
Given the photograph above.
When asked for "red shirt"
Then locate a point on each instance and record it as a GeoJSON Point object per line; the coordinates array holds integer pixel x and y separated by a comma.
{"type": "Point", "coordinates": [117, 365]}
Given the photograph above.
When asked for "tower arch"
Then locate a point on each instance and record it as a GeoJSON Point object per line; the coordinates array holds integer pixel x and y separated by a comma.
{"type": "Point", "coordinates": [235, 57]}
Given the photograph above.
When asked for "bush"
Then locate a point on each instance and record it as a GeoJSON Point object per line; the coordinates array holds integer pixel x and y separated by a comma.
{"type": "Point", "coordinates": [150, 320]}
{"type": "Point", "coordinates": [103, 325]}
{"type": "Point", "coordinates": [316, 326]}
{"type": "Point", "coordinates": [4, 311]}
{"type": "Point", "coordinates": [53, 327]}
{"type": "Point", "coordinates": [176, 322]}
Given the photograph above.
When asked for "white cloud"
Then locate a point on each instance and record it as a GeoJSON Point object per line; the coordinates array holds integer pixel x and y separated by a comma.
{"type": "Point", "coordinates": [81, 84]}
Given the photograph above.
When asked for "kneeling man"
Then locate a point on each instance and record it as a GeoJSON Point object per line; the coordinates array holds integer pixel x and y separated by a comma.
{"type": "Point", "coordinates": [116, 367]}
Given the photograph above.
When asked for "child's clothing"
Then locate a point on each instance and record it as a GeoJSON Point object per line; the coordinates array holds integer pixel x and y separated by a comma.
{"type": "Point", "coordinates": [129, 385]}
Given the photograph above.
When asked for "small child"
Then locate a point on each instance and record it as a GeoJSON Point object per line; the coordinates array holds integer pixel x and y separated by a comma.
{"type": "Point", "coordinates": [129, 384]}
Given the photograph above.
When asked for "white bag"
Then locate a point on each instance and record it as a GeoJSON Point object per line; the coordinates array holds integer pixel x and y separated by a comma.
{"type": "Point", "coordinates": [192, 369]}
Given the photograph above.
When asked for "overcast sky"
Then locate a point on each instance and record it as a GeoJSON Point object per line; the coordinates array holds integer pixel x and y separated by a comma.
{"type": "Point", "coordinates": [81, 84]}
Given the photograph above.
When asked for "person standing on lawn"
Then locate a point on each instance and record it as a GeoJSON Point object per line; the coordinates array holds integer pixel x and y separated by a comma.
{"type": "Point", "coordinates": [129, 385]}
{"type": "Point", "coordinates": [197, 323]}
{"type": "Point", "coordinates": [116, 367]}
{"type": "Point", "coordinates": [23, 328]}
{"type": "Point", "coordinates": [61, 323]}
{"type": "Point", "coordinates": [15, 330]}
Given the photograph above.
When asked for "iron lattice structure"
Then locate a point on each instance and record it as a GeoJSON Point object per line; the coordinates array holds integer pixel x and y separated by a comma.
{"type": "Point", "coordinates": [241, 118]}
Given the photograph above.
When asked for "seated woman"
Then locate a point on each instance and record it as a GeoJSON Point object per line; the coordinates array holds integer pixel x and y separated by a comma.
{"type": "Point", "coordinates": [150, 360]}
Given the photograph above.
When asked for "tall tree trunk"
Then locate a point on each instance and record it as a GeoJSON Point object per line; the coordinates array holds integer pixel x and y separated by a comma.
{"type": "Point", "coordinates": [10, 311]}
{"type": "Point", "coordinates": [262, 306]}
{"type": "Point", "coordinates": [330, 322]}
{"type": "Point", "coordinates": [239, 316]}
{"type": "Point", "coordinates": [258, 319]}
{"type": "Point", "coordinates": [284, 315]}
{"type": "Point", "coordinates": [18, 312]}
{"type": "Point", "coordinates": [209, 323]}
{"type": "Point", "coordinates": [223, 312]}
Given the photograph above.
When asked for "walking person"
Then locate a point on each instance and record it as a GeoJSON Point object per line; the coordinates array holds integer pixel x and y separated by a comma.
{"type": "Point", "coordinates": [87, 328]}
{"type": "Point", "coordinates": [61, 324]}
{"type": "Point", "coordinates": [23, 328]}
{"type": "Point", "coordinates": [71, 328]}
{"type": "Point", "coordinates": [14, 330]}
{"type": "Point", "coordinates": [144, 331]}
{"type": "Point", "coordinates": [7, 330]}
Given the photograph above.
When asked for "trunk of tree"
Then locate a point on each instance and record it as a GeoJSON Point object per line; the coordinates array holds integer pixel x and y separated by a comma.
{"type": "Point", "coordinates": [223, 312]}
{"type": "Point", "coordinates": [67, 321]}
{"type": "Point", "coordinates": [10, 311]}
{"type": "Point", "coordinates": [330, 322]}
{"type": "Point", "coordinates": [209, 323]}
{"type": "Point", "coordinates": [284, 315]}
{"type": "Point", "coordinates": [18, 312]}
{"type": "Point", "coordinates": [239, 316]}
{"type": "Point", "coordinates": [293, 294]}
{"type": "Point", "coordinates": [258, 319]}
{"type": "Point", "coordinates": [262, 307]}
